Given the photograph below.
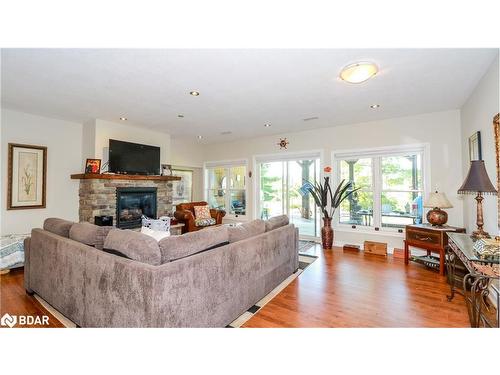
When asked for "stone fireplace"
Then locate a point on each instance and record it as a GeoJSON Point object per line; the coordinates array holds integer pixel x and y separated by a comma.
{"type": "Point", "coordinates": [129, 195]}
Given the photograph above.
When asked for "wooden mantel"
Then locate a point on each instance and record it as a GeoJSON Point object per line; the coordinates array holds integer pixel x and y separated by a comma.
{"type": "Point", "coordinates": [110, 176]}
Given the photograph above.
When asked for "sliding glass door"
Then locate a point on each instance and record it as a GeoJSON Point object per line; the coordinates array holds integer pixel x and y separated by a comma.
{"type": "Point", "coordinates": [279, 192]}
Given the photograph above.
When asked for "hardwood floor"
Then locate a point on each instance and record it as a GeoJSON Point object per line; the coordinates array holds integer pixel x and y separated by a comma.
{"type": "Point", "coordinates": [337, 290]}
{"type": "Point", "coordinates": [15, 301]}
{"type": "Point", "coordinates": [356, 290]}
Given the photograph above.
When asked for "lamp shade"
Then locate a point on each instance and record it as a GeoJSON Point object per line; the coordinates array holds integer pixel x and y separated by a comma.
{"type": "Point", "coordinates": [477, 180]}
{"type": "Point", "coordinates": [438, 200]}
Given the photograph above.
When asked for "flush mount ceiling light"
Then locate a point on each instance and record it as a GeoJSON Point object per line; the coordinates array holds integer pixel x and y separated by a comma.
{"type": "Point", "coordinates": [180, 115]}
{"type": "Point", "coordinates": [358, 72]}
{"type": "Point", "coordinates": [123, 118]}
{"type": "Point", "coordinates": [194, 93]}
{"type": "Point", "coordinates": [375, 106]}
{"type": "Point", "coordinates": [200, 137]}
{"type": "Point", "coordinates": [267, 125]}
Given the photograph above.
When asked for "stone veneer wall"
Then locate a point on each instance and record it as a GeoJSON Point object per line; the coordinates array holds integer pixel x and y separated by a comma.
{"type": "Point", "coordinates": [98, 196]}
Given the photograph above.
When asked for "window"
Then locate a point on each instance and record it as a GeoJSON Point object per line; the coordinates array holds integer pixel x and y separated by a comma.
{"type": "Point", "coordinates": [226, 188]}
{"type": "Point", "coordinates": [391, 187]}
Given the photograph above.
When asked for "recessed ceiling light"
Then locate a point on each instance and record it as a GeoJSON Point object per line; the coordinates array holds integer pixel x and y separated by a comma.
{"type": "Point", "coordinates": [375, 106]}
{"type": "Point", "coordinates": [180, 115]}
{"type": "Point", "coordinates": [358, 72]}
{"type": "Point", "coordinates": [267, 125]}
{"type": "Point", "coordinates": [194, 93]}
{"type": "Point", "coordinates": [123, 118]}
{"type": "Point", "coordinates": [200, 137]}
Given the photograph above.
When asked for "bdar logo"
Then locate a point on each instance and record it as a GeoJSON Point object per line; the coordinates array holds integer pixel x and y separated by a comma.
{"type": "Point", "coordinates": [8, 320]}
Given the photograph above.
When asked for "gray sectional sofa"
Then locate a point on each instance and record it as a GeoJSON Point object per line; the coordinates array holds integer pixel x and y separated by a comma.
{"type": "Point", "coordinates": [104, 277]}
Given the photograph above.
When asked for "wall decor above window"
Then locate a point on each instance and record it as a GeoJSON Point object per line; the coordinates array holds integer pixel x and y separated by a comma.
{"type": "Point", "coordinates": [27, 176]}
{"type": "Point", "coordinates": [475, 147]}
{"type": "Point", "coordinates": [283, 143]}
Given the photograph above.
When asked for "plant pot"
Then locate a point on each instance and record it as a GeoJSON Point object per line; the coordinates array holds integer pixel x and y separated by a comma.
{"type": "Point", "coordinates": [327, 234]}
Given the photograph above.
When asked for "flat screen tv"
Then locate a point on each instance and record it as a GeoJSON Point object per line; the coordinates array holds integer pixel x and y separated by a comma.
{"type": "Point", "coordinates": [133, 158]}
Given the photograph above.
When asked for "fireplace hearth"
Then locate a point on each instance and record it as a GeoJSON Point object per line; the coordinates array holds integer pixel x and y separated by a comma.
{"type": "Point", "coordinates": [132, 203]}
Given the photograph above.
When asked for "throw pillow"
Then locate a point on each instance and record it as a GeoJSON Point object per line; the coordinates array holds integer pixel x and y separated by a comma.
{"type": "Point", "coordinates": [202, 212]}
{"type": "Point", "coordinates": [156, 234]}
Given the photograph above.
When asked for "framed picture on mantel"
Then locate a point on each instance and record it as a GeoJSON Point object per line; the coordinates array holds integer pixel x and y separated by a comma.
{"type": "Point", "coordinates": [27, 176]}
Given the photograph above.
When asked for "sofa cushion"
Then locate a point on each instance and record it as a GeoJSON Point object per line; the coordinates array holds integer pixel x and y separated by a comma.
{"type": "Point", "coordinates": [176, 247]}
{"type": "Point", "coordinates": [57, 226]}
{"type": "Point", "coordinates": [133, 245]}
{"type": "Point", "coordinates": [89, 234]}
{"type": "Point", "coordinates": [202, 212]}
{"type": "Point", "coordinates": [246, 230]}
{"type": "Point", "coordinates": [276, 222]}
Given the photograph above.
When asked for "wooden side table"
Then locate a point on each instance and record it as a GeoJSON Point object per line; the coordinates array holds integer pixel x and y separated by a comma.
{"type": "Point", "coordinates": [430, 238]}
{"type": "Point", "coordinates": [176, 229]}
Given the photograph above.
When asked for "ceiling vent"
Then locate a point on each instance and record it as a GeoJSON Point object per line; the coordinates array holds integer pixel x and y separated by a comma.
{"type": "Point", "coordinates": [310, 118]}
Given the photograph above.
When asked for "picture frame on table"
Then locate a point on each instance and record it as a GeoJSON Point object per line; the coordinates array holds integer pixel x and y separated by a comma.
{"type": "Point", "coordinates": [475, 152]}
{"type": "Point", "coordinates": [166, 170]}
{"type": "Point", "coordinates": [27, 176]}
{"type": "Point", "coordinates": [93, 166]}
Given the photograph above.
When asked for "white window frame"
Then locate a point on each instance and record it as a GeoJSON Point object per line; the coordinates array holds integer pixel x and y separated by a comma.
{"type": "Point", "coordinates": [282, 157]}
{"type": "Point", "coordinates": [376, 154]}
{"type": "Point", "coordinates": [227, 165]}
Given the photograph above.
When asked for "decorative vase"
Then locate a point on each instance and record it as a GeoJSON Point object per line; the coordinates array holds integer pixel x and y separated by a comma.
{"type": "Point", "coordinates": [437, 217]}
{"type": "Point", "coordinates": [327, 234]}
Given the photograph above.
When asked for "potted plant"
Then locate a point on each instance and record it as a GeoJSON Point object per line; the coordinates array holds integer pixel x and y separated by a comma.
{"type": "Point", "coordinates": [328, 201]}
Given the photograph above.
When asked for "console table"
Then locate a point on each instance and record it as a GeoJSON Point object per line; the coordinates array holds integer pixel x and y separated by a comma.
{"type": "Point", "coordinates": [479, 285]}
{"type": "Point", "coordinates": [430, 238]}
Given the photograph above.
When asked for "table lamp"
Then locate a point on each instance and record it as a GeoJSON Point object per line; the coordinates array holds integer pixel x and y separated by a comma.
{"type": "Point", "coordinates": [437, 217]}
{"type": "Point", "coordinates": [477, 181]}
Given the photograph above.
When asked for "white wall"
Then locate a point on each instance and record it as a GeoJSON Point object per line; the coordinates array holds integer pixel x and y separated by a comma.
{"type": "Point", "coordinates": [477, 115]}
{"type": "Point", "coordinates": [63, 140]}
{"type": "Point", "coordinates": [99, 132]}
{"type": "Point", "coordinates": [441, 130]}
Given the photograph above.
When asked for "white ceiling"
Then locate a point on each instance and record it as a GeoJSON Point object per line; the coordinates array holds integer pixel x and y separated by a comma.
{"type": "Point", "coordinates": [240, 89]}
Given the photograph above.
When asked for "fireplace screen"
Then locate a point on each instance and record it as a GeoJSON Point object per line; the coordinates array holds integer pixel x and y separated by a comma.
{"type": "Point", "coordinates": [132, 203]}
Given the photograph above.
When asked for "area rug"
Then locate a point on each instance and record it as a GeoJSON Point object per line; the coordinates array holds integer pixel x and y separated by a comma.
{"type": "Point", "coordinates": [305, 261]}
{"type": "Point", "coordinates": [305, 245]}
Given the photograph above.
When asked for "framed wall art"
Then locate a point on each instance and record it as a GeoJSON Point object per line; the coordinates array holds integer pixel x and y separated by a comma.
{"type": "Point", "coordinates": [182, 190]}
{"type": "Point", "coordinates": [27, 176]}
{"type": "Point", "coordinates": [475, 147]}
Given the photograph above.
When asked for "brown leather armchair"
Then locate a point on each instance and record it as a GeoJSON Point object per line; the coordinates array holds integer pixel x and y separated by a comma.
{"type": "Point", "coordinates": [184, 213]}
